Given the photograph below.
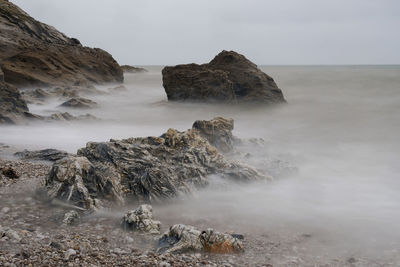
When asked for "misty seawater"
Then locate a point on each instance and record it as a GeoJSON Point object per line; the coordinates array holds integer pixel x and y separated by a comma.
{"type": "Point", "coordinates": [339, 133]}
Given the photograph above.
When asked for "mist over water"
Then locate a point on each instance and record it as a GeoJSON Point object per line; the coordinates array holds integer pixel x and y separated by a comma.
{"type": "Point", "coordinates": [339, 130]}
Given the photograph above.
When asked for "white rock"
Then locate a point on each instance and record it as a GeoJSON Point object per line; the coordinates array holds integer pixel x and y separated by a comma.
{"type": "Point", "coordinates": [5, 210]}
{"type": "Point", "coordinates": [70, 252]}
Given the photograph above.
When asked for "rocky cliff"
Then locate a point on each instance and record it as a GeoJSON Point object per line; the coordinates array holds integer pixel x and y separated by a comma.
{"type": "Point", "coordinates": [33, 53]}
{"type": "Point", "coordinates": [36, 54]}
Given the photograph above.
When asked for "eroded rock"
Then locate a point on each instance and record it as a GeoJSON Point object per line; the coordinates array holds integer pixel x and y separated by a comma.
{"type": "Point", "coordinates": [149, 168]}
{"type": "Point", "coordinates": [228, 78]}
{"type": "Point", "coordinates": [79, 102]}
{"type": "Point", "coordinates": [44, 154]}
{"type": "Point", "coordinates": [71, 217]}
{"type": "Point", "coordinates": [65, 116]}
{"type": "Point", "coordinates": [13, 108]}
{"type": "Point", "coordinates": [76, 181]}
{"type": "Point", "coordinates": [184, 238]}
{"type": "Point", "coordinates": [141, 219]}
{"type": "Point", "coordinates": [35, 54]}
{"type": "Point", "coordinates": [217, 131]}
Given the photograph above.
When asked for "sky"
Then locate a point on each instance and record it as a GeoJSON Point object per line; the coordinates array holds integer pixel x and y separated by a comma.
{"type": "Point", "coordinates": [268, 32]}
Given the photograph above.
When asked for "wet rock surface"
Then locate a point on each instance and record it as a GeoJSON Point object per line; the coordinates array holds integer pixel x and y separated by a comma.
{"type": "Point", "coordinates": [79, 102]}
{"type": "Point", "coordinates": [228, 78]}
{"type": "Point", "coordinates": [150, 168]}
{"type": "Point", "coordinates": [183, 238]}
{"type": "Point", "coordinates": [141, 219]}
{"type": "Point", "coordinates": [44, 154]}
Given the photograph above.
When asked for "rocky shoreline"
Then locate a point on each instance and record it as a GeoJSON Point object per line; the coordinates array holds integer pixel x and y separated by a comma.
{"type": "Point", "coordinates": [32, 233]}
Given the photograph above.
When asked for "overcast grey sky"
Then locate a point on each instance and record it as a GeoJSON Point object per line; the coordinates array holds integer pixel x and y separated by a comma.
{"type": "Point", "coordinates": [270, 32]}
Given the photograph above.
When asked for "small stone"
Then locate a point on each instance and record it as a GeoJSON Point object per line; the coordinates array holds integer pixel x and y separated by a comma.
{"type": "Point", "coordinates": [5, 210]}
{"type": "Point", "coordinates": [70, 252]}
{"type": "Point", "coordinates": [164, 264]}
{"type": "Point", "coordinates": [10, 173]}
{"type": "Point", "coordinates": [71, 217]}
{"type": "Point", "coordinates": [55, 245]}
{"type": "Point", "coordinates": [141, 219]}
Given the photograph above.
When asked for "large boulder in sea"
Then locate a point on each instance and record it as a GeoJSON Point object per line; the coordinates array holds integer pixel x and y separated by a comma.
{"type": "Point", "coordinates": [144, 168]}
{"type": "Point", "coordinates": [228, 78]}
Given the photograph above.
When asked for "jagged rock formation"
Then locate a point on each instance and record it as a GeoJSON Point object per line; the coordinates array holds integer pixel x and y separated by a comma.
{"type": "Point", "coordinates": [141, 219]}
{"type": "Point", "coordinates": [150, 168]}
{"type": "Point", "coordinates": [132, 69]}
{"type": "Point", "coordinates": [186, 238]}
{"type": "Point", "coordinates": [228, 78]}
{"type": "Point", "coordinates": [217, 131]}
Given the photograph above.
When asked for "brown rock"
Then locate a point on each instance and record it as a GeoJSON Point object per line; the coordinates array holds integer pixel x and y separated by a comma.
{"type": "Point", "coordinates": [33, 53]}
{"type": "Point", "coordinates": [228, 78]}
{"type": "Point", "coordinates": [217, 131]}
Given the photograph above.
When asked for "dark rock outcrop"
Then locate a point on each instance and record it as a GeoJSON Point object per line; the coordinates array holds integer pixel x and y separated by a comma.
{"type": "Point", "coordinates": [149, 169]}
{"type": "Point", "coordinates": [44, 154]}
{"type": "Point", "coordinates": [33, 53]}
{"type": "Point", "coordinates": [13, 108]}
{"type": "Point", "coordinates": [132, 69]}
{"type": "Point", "coordinates": [228, 78]}
{"type": "Point", "coordinates": [186, 238]}
{"type": "Point", "coordinates": [77, 181]}
{"type": "Point", "coordinates": [79, 102]}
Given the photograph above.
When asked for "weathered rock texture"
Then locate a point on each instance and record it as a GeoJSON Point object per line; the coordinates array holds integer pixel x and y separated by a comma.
{"type": "Point", "coordinates": [150, 168]}
{"type": "Point", "coordinates": [132, 69]}
{"type": "Point", "coordinates": [35, 54]}
{"type": "Point", "coordinates": [141, 219]}
{"type": "Point", "coordinates": [228, 78]}
{"type": "Point", "coordinates": [79, 102]}
{"type": "Point", "coordinates": [13, 108]}
{"type": "Point", "coordinates": [77, 181]}
{"type": "Point", "coordinates": [71, 217]}
{"type": "Point", "coordinates": [217, 131]}
{"type": "Point", "coordinates": [44, 154]}
{"type": "Point", "coordinates": [184, 238]}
